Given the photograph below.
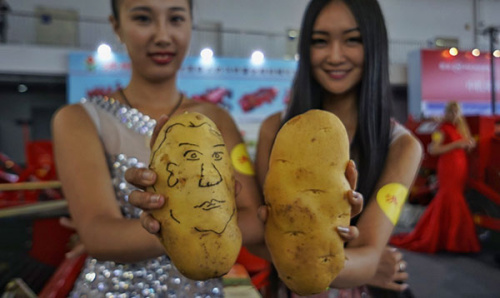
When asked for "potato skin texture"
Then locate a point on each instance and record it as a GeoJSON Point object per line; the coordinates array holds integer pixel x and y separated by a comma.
{"type": "Point", "coordinates": [305, 191]}
{"type": "Point", "coordinates": [194, 173]}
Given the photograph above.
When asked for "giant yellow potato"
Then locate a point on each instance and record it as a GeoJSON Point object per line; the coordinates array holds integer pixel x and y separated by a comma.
{"type": "Point", "coordinates": [198, 221]}
{"type": "Point", "coordinates": [305, 190]}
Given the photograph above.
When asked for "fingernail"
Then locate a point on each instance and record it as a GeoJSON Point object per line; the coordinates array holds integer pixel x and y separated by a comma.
{"type": "Point", "coordinates": [353, 163]}
{"type": "Point", "coordinates": [343, 230]}
{"type": "Point", "coordinates": [155, 198]}
{"type": "Point", "coordinates": [402, 266]}
{"type": "Point", "coordinates": [148, 175]}
{"type": "Point", "coordinates": [405, 286]}
{"type": "Point", "coordinates": [152, 227]}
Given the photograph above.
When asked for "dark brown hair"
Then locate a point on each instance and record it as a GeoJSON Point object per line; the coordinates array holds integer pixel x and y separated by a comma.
{"type": "Point", "coordinates": [371, 141]}
{"type": "Point", "coordinates": [116, 3]}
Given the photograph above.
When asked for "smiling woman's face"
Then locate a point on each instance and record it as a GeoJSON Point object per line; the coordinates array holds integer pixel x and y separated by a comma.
{"type": "Point", "coordinates": [156, 34]}
{"type": "Point", "coordinates": [337, 54]}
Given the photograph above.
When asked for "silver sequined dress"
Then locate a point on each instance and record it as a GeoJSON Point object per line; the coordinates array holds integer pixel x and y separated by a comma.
{"type": "Point", "coordinates": [125, 136]}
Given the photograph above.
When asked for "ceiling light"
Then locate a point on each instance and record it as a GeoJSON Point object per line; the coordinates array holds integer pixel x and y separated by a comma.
{"type": "Point", "coordinates": [104, 52]}
{"type": "Point", "coordinates": [257, 58]}
{"type": "Point", "coordinates": [453, 51]}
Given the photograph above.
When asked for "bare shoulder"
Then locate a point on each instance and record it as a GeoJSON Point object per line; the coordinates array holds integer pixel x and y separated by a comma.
{"type": "Point", "coordinates": [69, 116]}
{"type": "Point", "coordinates": [270, 126]}
{"type": "Point", "coordinates": [73, 126]}
{"type": "Point", "coordinates": [407, 144]}
{"type": "Point", "coordinates": [273, 120]}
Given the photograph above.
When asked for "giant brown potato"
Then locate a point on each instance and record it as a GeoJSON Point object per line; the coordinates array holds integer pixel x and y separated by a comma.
{"type": "Point", "coordinates": [198, 221]}
{"type": "Point", "coordinates": [305, 190]}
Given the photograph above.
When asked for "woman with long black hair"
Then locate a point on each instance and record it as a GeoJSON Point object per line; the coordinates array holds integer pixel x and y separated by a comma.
{"type": "Point", "coordinates": [344, 69]}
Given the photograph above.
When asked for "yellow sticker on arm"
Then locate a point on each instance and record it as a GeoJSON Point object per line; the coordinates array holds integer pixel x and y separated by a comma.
{"type": "Point", "coordinates": [436, 137]}
{"type": "Point", "coordinates": [241, 160]}
{"type": "Point", "coordinates": [391, 198]}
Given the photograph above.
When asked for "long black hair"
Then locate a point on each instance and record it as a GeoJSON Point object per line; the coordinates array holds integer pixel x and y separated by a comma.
{"type": "Point", "coordinates": [371, 141]}
{"type": "Point", "coordinates": [115, 5]}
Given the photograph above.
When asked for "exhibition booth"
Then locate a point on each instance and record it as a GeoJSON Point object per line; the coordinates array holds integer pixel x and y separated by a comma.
{"type": "Point", "coordinates": [250, 91]}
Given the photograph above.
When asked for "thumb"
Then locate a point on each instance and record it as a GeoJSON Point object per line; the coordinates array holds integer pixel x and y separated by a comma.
{"type": "Point", "coordinates": [262, 213]}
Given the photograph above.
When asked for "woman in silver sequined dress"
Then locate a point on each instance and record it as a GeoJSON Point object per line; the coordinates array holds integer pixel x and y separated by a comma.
{"type": "Point", "coordinates": [97, 140]}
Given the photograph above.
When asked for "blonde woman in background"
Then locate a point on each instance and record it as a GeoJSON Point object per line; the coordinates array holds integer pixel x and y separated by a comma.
{"type": "Point", "coordinates": [446, 224]}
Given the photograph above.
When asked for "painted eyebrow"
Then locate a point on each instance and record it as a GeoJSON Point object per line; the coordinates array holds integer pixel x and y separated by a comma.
{"type": "Point", "coordinates": [188, 144]}
{"type": "Point", "coordinates": [220, 145]}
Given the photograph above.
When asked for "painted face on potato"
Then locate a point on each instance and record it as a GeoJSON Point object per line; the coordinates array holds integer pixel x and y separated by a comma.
{"type": "Point", "coordinates": [199, 230]}
{"type": "Point", "coordinates": [194, 168]}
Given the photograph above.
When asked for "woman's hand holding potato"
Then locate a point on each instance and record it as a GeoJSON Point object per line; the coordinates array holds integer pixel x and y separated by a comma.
{"type": "Point", "coordinates": [391, 272]}
{"type": "Point", "coordinates": [148, 201]}
{"type": "Point", "coordinates": [355, 200]}
{"type": "Point", "coordinates": [194, 181]}
{"type": "Point", "coordinates": [199, 229]}
{"type": "Point", "coordinates": [306, 192]}
{"type": "Point", "coordinates": [142, 178]}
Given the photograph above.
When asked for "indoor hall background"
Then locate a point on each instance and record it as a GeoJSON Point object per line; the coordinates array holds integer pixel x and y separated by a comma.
{"type": "Point", "coordinates": [43, 32]}
{"type": "Point", "coordinates": [234, 28]}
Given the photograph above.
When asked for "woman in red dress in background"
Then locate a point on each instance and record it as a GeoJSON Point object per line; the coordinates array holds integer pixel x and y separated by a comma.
{"type": "Point", "coordinates": [446, 224]}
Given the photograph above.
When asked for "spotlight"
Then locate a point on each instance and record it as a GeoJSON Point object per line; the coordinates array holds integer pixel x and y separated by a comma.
{"type": "Point", "coordinates": [453, 51]}
{"type": "Point", "coordinates": [293, 34]}
{"type": "Point", "coordinates": [257, 58]}
{"type": "Point", "coordinates": [476, 52]}
{"type": "Point", "coordinates": [104, 52]}
{"type": "Point", "coordinates": [496, 53]}
{"type": "Point", "coordinates": [21, 88]}
{"type": "Point", "coordinates": [207, 54]}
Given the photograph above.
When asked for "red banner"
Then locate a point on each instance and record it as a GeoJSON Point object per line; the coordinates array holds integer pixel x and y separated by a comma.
{"type": "Point", "coordinates": [464, 77]}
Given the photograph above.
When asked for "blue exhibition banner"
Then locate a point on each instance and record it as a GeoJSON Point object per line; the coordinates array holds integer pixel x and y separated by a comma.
{"type": "Point", "coordinates": [249, 92]}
